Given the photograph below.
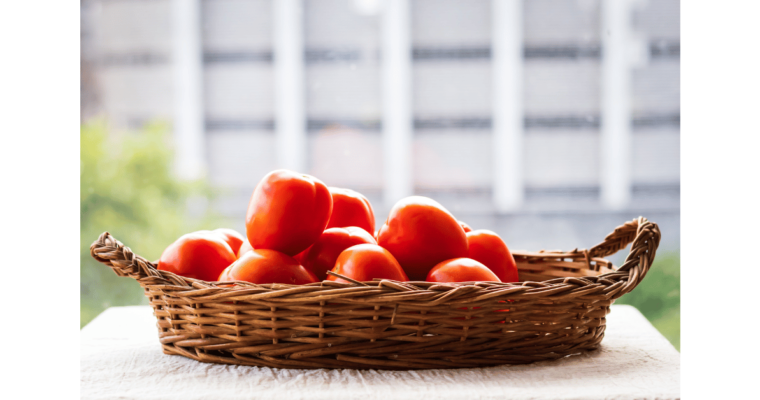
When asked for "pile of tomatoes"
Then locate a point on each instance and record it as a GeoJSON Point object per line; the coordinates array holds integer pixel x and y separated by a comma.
{"type": "Point", "coordinates": [298, 229]}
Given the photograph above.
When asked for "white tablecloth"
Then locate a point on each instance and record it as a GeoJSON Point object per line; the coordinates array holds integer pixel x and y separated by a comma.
{"type": "Point", "coordinates": [122, 358]}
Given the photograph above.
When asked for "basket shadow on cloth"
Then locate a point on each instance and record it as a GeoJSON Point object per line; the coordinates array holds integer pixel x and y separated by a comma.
{"type": "Point", "coordinates": [557, 309]}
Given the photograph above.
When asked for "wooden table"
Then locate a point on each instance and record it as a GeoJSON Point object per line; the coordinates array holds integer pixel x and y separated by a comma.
{"type": "Point", "coordinates": [122, 358]}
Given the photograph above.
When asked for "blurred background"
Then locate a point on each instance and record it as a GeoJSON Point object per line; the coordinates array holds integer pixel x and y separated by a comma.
{"type": "Point", "coordinates": [550, 122]}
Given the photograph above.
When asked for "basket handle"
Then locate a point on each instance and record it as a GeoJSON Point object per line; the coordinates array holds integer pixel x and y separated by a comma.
{"type": "Point", "coordinates": [645, 236]}
{"type": "Point", "coordinates": [120, 258]}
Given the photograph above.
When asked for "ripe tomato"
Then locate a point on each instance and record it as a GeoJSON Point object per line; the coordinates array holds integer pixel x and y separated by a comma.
{"type": "Point", "coordinates": [487, 247]}
{"type": "Point", "coordinates": [232, 238]}
{"type": "Point", "coordinates": [365, 262]}
{"type": "Point", "coordinates": [268, 266]}
{"type": "Point", "coordinates": [223, 278]}
{"type": "Point", "coordinates": [200, 255]}
{"type": "Point", "coordinates": [287, 212]}
{"type": "Point", "coordinates": [244, 247]}
{"type": "Point", "coordinates": [420, 233]}
{"type": "Point", "coordinates": [223, 275]}
{"type": "Point", "coordinates": [351, 209]}
{"type": "Point", "coordinates": [465, 227]}
{"type": "Point", "coordinates": [321, 256]}
{"type": "Point", "coordinates": [299, 256]}
{"type": "Point", "coordinates": [461, 270]}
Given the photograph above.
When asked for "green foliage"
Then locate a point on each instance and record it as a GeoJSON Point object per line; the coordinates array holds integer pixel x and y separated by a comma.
{"type": "Point", "coordinates": [127, 189]}
{"type": "Point", "coordinates": [658, 297]}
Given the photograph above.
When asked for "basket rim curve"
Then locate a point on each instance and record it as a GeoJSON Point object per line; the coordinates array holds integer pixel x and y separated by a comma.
{"type": "Point", "coordinates": [643, 234]}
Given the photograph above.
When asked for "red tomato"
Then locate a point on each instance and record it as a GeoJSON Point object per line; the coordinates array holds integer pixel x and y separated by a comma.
{"type": "Point", "coordinates": [488, 248]}
{"type": "Point", "coordinates": [461, 270]}
{"type": "Point", "coordinates": [298, 257]}
{"type": "Point", "coordinates": [232, 238]}
{"type": "Point", "coordinates": [351, 209]}
{"type": "Point", "coordinates": [223, 278]}
{"type": "Point", "coordinates": [365, 262]}
{"type": "Point", "coordinates": [465, 227]}
{"type": "Point", "coordinates": [200, 255]}
{"type": "Point", "coordinates": [420, 233]}
{"type": "Point", "coordinates": [223, 275]}
{"type": "Point", "coordinates": [287, 212]}
{"type": "Point", "coordinates": [505, 310]}
{"type": "Point", "coordinates": [321, 256]}
{"type": "Point", "coordinates": [268, 266]}
{"type": "Point", "coordinates": [243, 248]}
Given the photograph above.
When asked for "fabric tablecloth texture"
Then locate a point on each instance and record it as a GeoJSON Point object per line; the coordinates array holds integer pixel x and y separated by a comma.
{"type": "Point", "coordinates": [122, 358]}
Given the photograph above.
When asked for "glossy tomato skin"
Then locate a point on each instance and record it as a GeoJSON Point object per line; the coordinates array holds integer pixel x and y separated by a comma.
{"type": "Point", "coordinates": [365, 262]}
{"type": "Point", "coordinates": [321, 256]}
{"type": "Point", "coordinates": [461, 270]}
{"type": "Point", "coordinates": [200, 255]}
{"type": "Point", "coordinates": [243, 248]}
{"type": "Point", "coordinates": [232, 237]}
{"type": "Point", "coordinates": [268, 266]}
{"type": "Point", "coordinates": [465, 227]}
{"type": "Point", "coordinates": [223, 276]}
{"type": "Point", "coordinates": [351, 208]}
{"type": "Point", "coordinates": [287, 212]}
{"type": "Point", "coordinates": [300, 255]}
{"type": "Point", "coordinates": [420, 233]}
{"type": "Point", "coordinates": [488, 248]}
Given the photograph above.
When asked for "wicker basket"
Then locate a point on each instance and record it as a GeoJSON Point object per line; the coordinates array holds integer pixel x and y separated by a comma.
{"type": "Point", "coordinates": [557, 309]}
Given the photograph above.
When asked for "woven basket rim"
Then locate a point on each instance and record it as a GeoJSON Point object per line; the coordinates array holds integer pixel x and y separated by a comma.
{"type": "Point", "coordinates": [644, 235]}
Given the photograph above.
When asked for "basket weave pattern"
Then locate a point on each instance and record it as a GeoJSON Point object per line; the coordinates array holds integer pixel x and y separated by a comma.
{"type": "Point", "coordinates": [557, 309]}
